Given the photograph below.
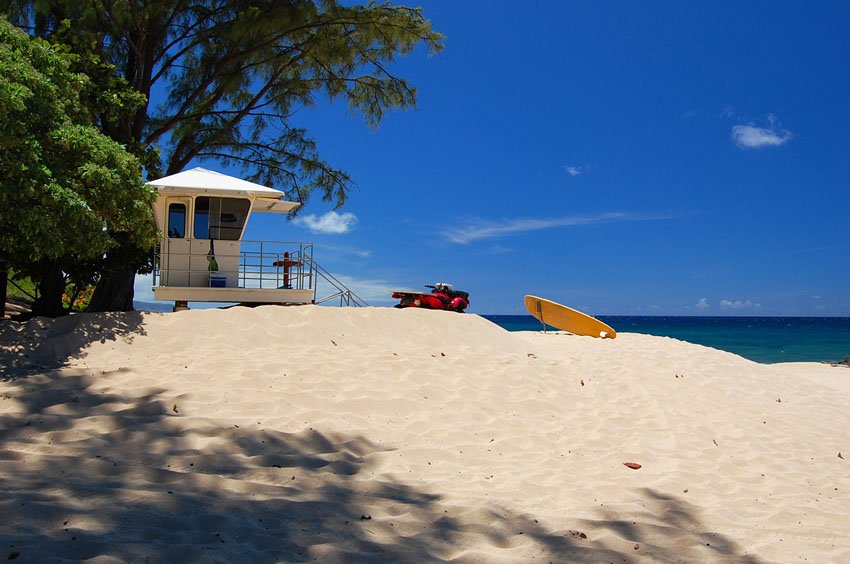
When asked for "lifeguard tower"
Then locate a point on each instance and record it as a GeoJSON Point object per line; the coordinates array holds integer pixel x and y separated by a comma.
{"type": "Point", "coordinates": [202, 256]}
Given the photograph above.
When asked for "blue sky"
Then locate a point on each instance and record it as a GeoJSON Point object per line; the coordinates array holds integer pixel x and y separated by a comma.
{"type": "Point", "coordinates": [653, 158]}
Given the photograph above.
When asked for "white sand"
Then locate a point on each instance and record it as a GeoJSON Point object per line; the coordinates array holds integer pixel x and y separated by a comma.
{"type": "Point", "coordinates": [290, 434]}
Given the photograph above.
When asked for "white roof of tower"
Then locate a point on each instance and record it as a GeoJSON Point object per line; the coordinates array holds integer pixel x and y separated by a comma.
{"type": "Point", "coordinates": [205, 181]}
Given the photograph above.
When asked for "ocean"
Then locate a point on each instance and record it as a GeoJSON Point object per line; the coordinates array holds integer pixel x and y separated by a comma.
{"type": "Point", "coordinates": [762, 339]}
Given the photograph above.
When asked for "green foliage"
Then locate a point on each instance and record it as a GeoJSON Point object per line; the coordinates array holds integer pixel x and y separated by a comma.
{"type": "Point", "coordinates": [67, 189]}
{"type": "Point", "coordinates": [77, 298]}
{"type": "Point", "coordinates": [237, 71]}
{"type": "Point", "coordinates": [20, 287]}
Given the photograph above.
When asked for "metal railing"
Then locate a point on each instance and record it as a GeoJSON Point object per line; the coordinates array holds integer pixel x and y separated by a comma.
{"type": "Point", "coordinates": [258, 265]}
{"type": "Point", "coordinates": [347, 297]}
{"type": "Point", "coordinates": [276, 265]}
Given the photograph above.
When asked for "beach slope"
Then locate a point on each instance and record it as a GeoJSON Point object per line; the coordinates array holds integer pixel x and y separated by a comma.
{"type": "Point", "coordinates": [304, 433]}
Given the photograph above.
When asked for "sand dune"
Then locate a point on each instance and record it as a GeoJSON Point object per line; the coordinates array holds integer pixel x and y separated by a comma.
{"type": "Point", "coordinates": [294, 434]}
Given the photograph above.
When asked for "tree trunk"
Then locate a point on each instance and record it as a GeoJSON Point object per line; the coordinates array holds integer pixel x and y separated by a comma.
{"type": "Point", "coordinates": [51, 286]}
{"type": "Point", "coordinates": [114, 291]}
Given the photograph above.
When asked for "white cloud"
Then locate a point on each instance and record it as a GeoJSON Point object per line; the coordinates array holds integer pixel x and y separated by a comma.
{"type": "Point", "coordinates": [702, 304]}
{"type": "Point", "coordinates": [752, 137]}
{"type": "Point", "coordinates": [573, 170]}
{"type": "Point", "coordinates": [739, 304]}
{"type": "Point", "coordinates": [481, 229]}
{"type": "Point", "coordinates": [329, 223]}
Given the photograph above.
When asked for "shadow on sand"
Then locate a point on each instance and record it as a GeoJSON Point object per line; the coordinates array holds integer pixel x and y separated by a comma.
{"type": "Point", "coordinates": [42, 343]}
{"type": "Point", "coordinates": [89, 473]}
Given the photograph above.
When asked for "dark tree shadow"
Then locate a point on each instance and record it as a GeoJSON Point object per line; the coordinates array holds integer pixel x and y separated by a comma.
{"type": "Point", "coordinates": [43, 343]}
{"type": "Point", "coordinates": [670, 532]}
{"type": "Point", "coordinates": [90, 474]}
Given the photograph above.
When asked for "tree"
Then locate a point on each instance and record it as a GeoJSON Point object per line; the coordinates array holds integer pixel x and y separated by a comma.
{"type": "Point", "coordinates": [236, 71]}
{"type": "Point", "coordinates": [68, 193]}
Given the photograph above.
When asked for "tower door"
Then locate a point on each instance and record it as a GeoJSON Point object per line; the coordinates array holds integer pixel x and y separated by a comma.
{"type": "Point", "coordinates": [175, 247]}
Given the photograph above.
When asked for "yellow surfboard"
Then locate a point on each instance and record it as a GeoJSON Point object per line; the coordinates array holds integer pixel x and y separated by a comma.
{"type": "Point", "coordinates": [567, 319]}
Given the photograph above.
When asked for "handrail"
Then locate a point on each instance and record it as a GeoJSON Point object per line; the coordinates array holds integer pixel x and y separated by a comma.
{"type": "Point", "coordinates": [347, 297]}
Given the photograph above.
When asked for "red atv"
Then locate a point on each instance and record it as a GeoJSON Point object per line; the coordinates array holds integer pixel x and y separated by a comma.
{"type": "Point", "coordinates": [442, 296]}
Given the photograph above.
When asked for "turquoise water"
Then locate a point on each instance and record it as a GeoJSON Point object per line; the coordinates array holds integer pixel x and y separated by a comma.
{"type": "Point", "coordinates": [762, 339]}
